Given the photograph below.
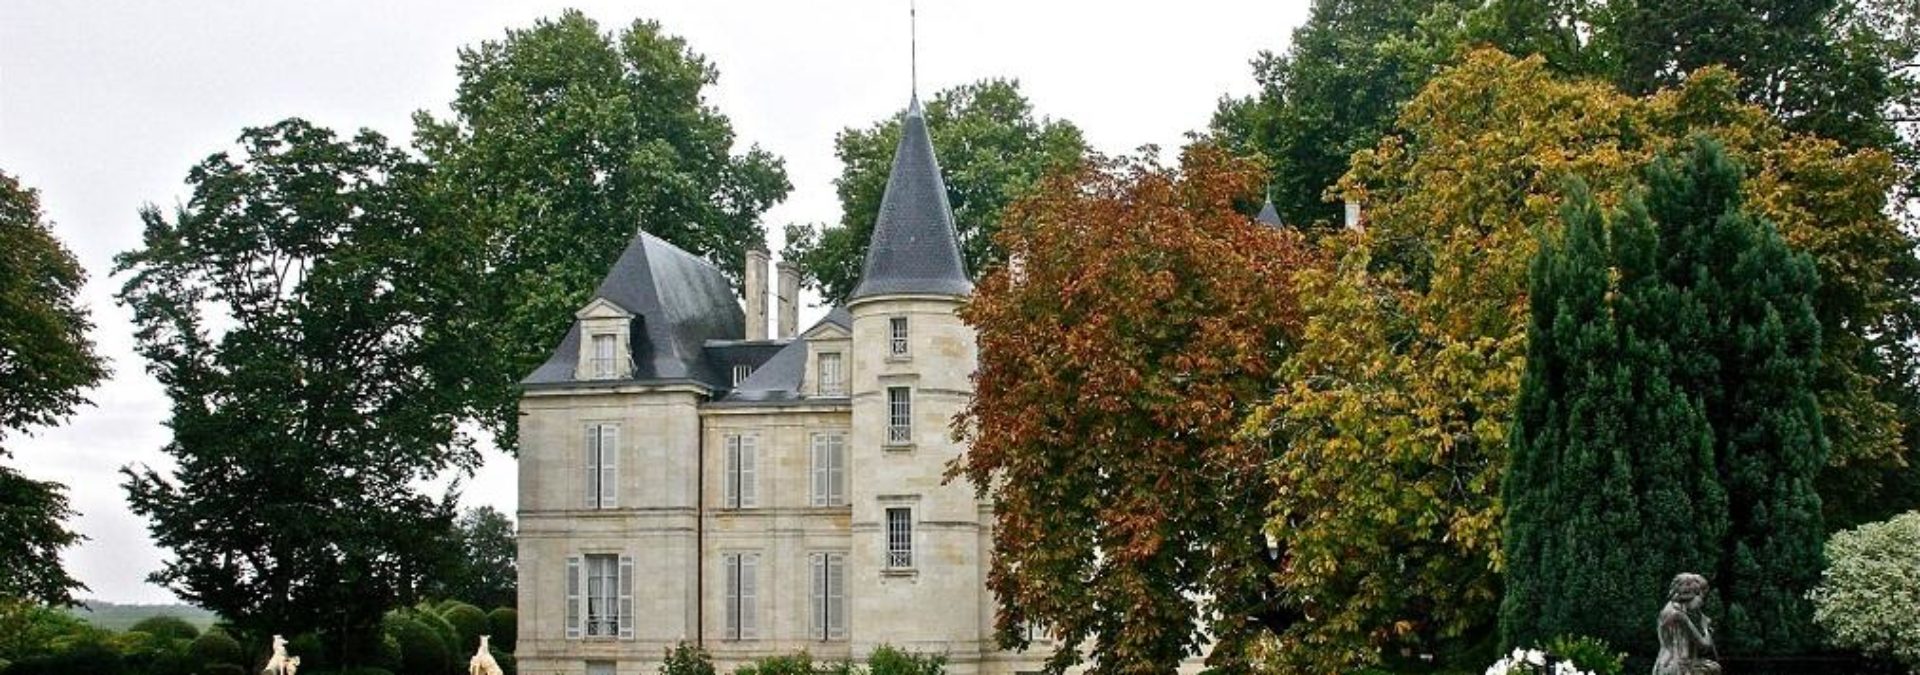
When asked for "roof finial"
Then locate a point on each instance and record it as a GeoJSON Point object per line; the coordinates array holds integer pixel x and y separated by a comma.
{"type": "Point", "coordinates": [913, 47]}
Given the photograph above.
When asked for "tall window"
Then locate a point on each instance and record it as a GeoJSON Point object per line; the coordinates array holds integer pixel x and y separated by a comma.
{"type": "Point", "coordinates": [833, 381]}
{"type": "Point", "coordinates": [827, 618]}
{"type": "Point", "coordinates": [600, 596]}
{"type": "Point", "coordinates": [899, 415]}
{"type": "Point", "coordinates": [897, 336]}
{"type": "Point", "coordinates": [603, 357]}
{"type": "Point", "coordinates": [743, 570]}
{"type": "Point", "coordinates": [603, 465]}
{"type": "Point", "coordinates": [899, 537]}
{"type": "Point", "coordinates": [829, 469]}
{"type": "Point", "coordinates": [740, 489]}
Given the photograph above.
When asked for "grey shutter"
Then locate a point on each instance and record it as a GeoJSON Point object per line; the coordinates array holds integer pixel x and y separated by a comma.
{"type": "Point", "coordinates": [819, 496]}
{"type": "Point", "coordinates": [837, 470]}
{"type": "Point", "coordinates": [573, 597]}
{"type": "Point", "coordinates": [749, 492]}
{"type": "Point", "coordinates": [609, 465]}
{"type": "Point", "coordinates": [731, 561]}
{"type": "Point", "coordinates": [749, 595]}
{"type": "Point", "coordinates": [730, 482]}
{"type": "Point", "coordinates": [592, 485]}
{"type": "Point", "coordinates": [816, 609]}
{"type": "Point", "coordinates": [836, 565]}
{"type": "Point", "coordinates": [626, 617]}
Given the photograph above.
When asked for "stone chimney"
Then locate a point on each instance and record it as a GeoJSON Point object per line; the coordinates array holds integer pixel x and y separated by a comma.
{"type": "Point", "coordinates": [754, 287]}
{"type": "Point", "coordinates": [1355, 219]}
{"type": "Point", "coordinates": [787, 321]}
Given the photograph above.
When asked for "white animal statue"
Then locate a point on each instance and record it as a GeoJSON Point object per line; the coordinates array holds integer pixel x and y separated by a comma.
{"type": "Point", "coordinates": [482, 662]}
{"type": "Point", "coordinates": [293, 665]}
{"type": "Point", "coordinates": [277, 664]}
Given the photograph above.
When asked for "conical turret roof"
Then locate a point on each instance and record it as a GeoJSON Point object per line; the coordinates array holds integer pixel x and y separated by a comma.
{"type": "Point", "coordinates": [914, 249]}
{"type": "Point", "coordinates": [1268, 215]}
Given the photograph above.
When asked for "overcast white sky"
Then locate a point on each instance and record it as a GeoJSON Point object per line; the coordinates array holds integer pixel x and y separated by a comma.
{"type": "Point", "coordinates": [105, 105]}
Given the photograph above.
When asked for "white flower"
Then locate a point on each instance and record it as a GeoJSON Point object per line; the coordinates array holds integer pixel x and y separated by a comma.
{"type": "Point", "coordinates": [1536, 657]}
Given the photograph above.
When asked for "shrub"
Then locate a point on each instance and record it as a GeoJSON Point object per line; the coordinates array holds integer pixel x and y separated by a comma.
{"type": "Point", "coordinates": [85, 656]}
{"type": "Point", "coordinates": [222, 669]}
{"type": "Point", "coordinates": [1867, 595]}
{"type": "Point", "coordinates": [890, 660]}
{"type": "Point", "coordinates": [1588, 654]}
{"type": "Point", "coordinates": [468, 622]}
{"type": "Point", "coordinates": [422, 651]}
{"type": "Point", "coordinates": [686, 659]}
{"type": "Point", "coordinates": [366, 670]}
{"type": "Point", "coordinates": [785, 664]}
{"type": "Point", "coordinates": [505, 626]}
{"type": "Point", "coordinates": [166, 627]}
{"type": "Point", "coordinates": [311, 650]}
{"type": "Point", "coordinates": [214, 647]}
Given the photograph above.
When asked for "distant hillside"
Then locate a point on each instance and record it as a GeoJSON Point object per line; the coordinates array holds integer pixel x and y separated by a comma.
{"type": "Point", "coordinates": [119, 617]}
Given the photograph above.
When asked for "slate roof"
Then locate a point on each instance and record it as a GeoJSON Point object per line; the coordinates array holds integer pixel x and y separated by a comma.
{"type": "Point", "coordinates": [679, 303]}
{"type": "Point", "coordinates": [1268, 215]}
{"type": "Point", "coordinates": [777, 381]}
{"type": "Point", "coordinates": [914, 248]}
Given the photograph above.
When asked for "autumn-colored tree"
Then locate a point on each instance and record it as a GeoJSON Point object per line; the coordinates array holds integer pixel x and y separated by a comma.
{"type": "Point", "coordinates": [1396, 409]}
{"type": "Point", "coordinates": [1138, 315]}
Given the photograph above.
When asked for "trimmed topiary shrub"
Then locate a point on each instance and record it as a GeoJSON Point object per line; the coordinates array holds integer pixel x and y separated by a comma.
{"type": "Point", "coordinates": [785, 664]}
{"type": "Point", "coordinates": [166, 627]}
{"type": "Point", "coordinates": [1867, 595]}
{"type": "Point", "coordinates": [311, 650]}
{"type": "Point", "coordinates": [469, 623]}
{"type": "Point", "coordinates": [449, 637]}
{"type": "Point", "coordinates": [686, 659]}
{"type": "Point", "coordinates": [422, 651]}
{"type": "Point", "coordinates": [890, 660]}
{"type": "Point", "coordinates": [504, 624]}
{"type": "Point", "coordinates": [215, 647]}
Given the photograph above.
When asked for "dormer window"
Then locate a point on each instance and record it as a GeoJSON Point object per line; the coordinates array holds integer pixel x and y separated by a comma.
{"type": "Point", "coordinates": [833, 380]}
{"type": "Point", "coordinates": [605, 358]}
{"type": "Point", "coordinates": [740, 373]}
{"type": "Point", "coordinates": [897, 337]}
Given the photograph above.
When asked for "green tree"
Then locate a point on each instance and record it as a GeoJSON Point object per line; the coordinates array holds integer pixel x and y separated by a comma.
{"type": "Point", "coordinates": [1139, 311]}
{"type": "Point", "coordinates": [46, 362]}
{"type": "Point", "coordinates": [1667, 420]}
{"type": "Point", "coordinates": [992, 151]}
{"type": "Point", "coordinates": [480, 567]}
{"type": "Point", "coordinates": [279, 309]}
{"type": "Point", "coordinates": [563, 141]}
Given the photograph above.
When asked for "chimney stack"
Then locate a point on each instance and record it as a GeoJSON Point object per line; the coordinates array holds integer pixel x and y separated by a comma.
{"type": "Point", "coordinates": [755, 288]}
{"type": "Point", "coordinates": [1354, 221]}
{"type": "Point", "coordinates": [788, 319]}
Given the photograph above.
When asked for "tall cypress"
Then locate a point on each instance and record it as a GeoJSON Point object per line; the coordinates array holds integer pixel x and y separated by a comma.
{"type": "Point", "coordinates": [1667, 420]}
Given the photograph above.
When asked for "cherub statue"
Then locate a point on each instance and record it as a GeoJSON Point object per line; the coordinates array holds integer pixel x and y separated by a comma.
{"type": "Point", "coordinates": [482, 662]}
{"type": "Point", "coordinates": [1684, 641]}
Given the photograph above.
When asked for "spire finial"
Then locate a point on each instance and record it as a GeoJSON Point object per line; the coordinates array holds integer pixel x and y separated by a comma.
{"type": "Point", "coordinates": [913, 47]}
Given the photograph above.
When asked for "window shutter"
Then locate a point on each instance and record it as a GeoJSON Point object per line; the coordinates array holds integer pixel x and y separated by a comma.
{"type": "Point", "coordinates": [731, 561]}
{"type": "Point", "coordinates": [819, 496]}
{"type": "Point", "coordinates": [837, 470]}
{"type": "Point", "coordinates": [609, 465]}
{"type": "Point", "coordinates": [749, 496]}
{"type": "Point", "coordinates": [749, 595]}
{"type": "Point", "coordinates": [626, 618]}
{"type": "Point", "coordinates": [730, 482]}
{"type": "Point", "coordinates": [817, 571]}
{"type": "Point", "coordinates": [573, 597]}
{"type": "Point", "coordinates": [836, 565]}
{"type": "Point", "coordinates": [592, 485]}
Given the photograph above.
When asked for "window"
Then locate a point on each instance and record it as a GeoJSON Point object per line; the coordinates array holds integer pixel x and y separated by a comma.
{"type": "Point", "coordinates": [828, 612]}
{"type": "Point", "coordinates": [897, 336]}
{"type": "Point", "coordinates": [832, 381]}
{"type": "Point", "coordinates": [829, 469]}
{"type": "Point", "coordinates": [600, 596]}
{"type": "Point", "coordinates": [604, 366]}
{"type": "Point", "coordinates": [899, 416]}
{"type": "Point", "coordinates": [601, 668]}
{"type": "Point", "coordinates": [743, 570]}
{"type": "Point", "coordinates": [603, 465]}
{"type": "Point", "coordinates": [740, 487]}
{"type": "Point", "coordinates": [899, 537]}
{"type": "Point", "coordinates": [740, 373]}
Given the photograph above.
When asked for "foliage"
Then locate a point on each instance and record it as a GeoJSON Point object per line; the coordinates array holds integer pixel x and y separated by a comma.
{"type": "Point", "coordinates": [1397, 407]}
{"type": "Point", "coordinates": [1137, 300]}
{"type": "Point", "coordinates": [800, 663]}
{"type": "Point", "coordinates": [1867, 595]}
{"type": "Point", "coordinates": [992, 151]}
{"type": "Point", "coordinates": [563, 139]}
{"type": "Point", "coordinates": [46, 362]}
{"type": "Point", "coordinates": [503, 623]}
{"type": "Point", "coordinates": [1668, 411]}
{"type": "Point", "coordinates": [1587, 653]}
{"type": "Point", "coordinates": [890, 660]}
{"type": "Point", "coordinates": [279, 311]}
{"type": "Point", "coordinates": [686, 659]}
{"type": "Point", "coordinates": [468, 622]}
{"type": "Point", "coordinates": [116, 616]}
{"type": "Point", "coordinates": [215, 647]}
{"type": "Point", "coordinates": [29, 628]}
{"type": "Point", "coordinates": [167, 627]}
{"type": "Point", "coordinates": [423, 649]}
{"type": "Point", "coordinates": [481, 567]}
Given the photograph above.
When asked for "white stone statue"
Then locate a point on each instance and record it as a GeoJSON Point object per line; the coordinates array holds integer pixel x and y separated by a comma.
{"type": "Point", "coordinates": [482, 662]}
{"type": "Point", "coordinates": [280, 663]}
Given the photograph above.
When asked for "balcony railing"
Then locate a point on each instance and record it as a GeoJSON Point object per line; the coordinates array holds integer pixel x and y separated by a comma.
{"type": "Point", "coordinates": [899, 433]}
